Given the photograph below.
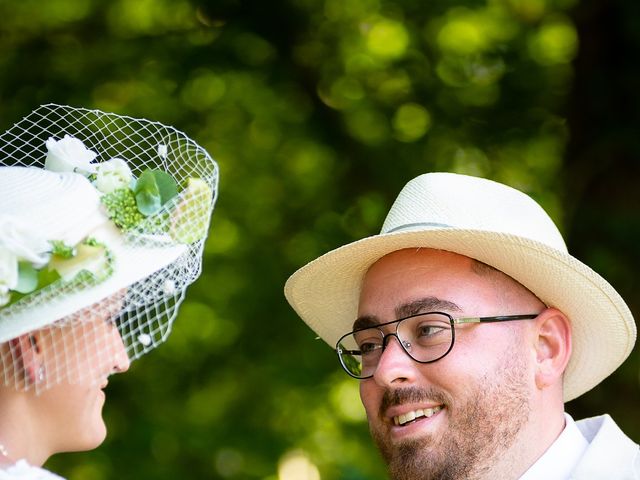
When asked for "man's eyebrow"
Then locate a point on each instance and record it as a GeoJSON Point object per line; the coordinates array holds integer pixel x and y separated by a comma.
{"type": "Point", "coordinates": [365, 321]}
{"type": "Point", "coordinates": [426, 304]}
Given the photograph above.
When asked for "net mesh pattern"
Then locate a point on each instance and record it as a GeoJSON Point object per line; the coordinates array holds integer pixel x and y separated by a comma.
{"type": "Point", "coordinates": [104, 337]}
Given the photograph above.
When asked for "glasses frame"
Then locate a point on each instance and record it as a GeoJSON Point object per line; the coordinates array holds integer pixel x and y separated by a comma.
{"type": "Point", "coordinates": [452, 323]}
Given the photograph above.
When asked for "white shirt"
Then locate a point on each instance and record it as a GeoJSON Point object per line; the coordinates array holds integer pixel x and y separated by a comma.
{"type": "Point", "coordinates": [561, 457]}
{"type": "Point", "coordinates": [21, 470]}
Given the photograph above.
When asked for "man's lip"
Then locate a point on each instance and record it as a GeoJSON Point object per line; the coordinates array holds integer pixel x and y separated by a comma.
{"type": "Point", "coordinates": [406, 408]}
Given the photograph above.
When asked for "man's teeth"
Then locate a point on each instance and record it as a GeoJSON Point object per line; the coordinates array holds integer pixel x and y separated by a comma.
{"type": "Point", "coordinates": [411, 416]}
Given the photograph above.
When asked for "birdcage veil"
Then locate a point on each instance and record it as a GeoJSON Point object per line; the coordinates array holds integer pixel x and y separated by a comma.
{"type": "Point", "coordinates": [103, 233]}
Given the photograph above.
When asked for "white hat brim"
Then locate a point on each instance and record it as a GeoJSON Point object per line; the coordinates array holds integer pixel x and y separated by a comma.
{"type": "Point", "coordinates": [131, 264]}
{"type": "Point", "coordinates": [325, 292]}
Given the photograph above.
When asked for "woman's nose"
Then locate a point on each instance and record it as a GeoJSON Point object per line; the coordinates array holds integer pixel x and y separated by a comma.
{"type": "Point", "coordinates": [121, 362]}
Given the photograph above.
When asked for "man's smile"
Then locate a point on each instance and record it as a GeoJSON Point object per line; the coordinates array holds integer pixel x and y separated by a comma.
{"type": "Point", "coordinates": [414, 415]}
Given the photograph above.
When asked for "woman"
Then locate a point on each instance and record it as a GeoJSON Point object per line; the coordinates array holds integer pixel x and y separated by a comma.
{"type": "Point", "coordinates": [102, 225]}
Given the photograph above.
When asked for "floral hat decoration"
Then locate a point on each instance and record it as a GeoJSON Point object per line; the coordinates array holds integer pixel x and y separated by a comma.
{"type": "Point", "coordinates": [101, 216]}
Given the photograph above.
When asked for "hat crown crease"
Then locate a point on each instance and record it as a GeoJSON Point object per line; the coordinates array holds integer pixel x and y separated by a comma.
{"type": "Point", "coordinates": [443, 201]}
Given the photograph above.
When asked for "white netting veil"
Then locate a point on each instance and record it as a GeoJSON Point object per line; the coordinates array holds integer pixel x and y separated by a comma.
{"type": "Point", "coordinates": [103, 220]}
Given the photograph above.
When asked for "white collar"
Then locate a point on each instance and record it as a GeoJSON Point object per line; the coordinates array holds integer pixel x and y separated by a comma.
{"type": "Point", "coordinates": [561, 457]}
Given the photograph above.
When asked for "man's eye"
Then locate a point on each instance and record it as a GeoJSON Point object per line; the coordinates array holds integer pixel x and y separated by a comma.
{"type": "Point", "coordinates": [369, 347]}
{"type": "Point", "coordinates": [429, 330]}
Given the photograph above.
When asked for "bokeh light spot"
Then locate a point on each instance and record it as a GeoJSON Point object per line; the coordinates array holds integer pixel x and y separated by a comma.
{"type": "Point", "coordinates": [387, 39]}
{"type": "Point", "coordinates": [225, 238]}
{"type": "Point", "coordinates": [462, 36]}
{"type": "Point", "coordinates": [345, 400]}
{"type": "Point", "coordinates": [253, 50]}
{"type": "Point", "coordinates": [203, 90]}
{"type": "Point", "coordinates": [528, 10]}
{"type": "Point", "coordinates": [367, 125]}
{"type": "Point", "coordinates": [470, 161]}
{"type": "Point", "coordinates": [296, 465]}
{"type": "Point", "coordinates": [410, 122]}
{"type": "Point", "coordinates": [229, 462]}
{"type": "Point", "coordinates": [346, 90]}
{"type": "Point", "coordinates": [555, 43]}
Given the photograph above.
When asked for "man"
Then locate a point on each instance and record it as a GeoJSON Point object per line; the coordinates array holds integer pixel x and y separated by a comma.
{"type": "Point", "coordinates": [469, 325]}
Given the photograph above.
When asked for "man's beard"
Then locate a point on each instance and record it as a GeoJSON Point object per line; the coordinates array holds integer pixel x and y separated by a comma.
{"type": "Point", "coordinates": [480, 429]}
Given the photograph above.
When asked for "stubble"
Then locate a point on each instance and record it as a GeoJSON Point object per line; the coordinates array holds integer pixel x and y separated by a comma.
{"type": "Point", "coordinates": [481, 427]}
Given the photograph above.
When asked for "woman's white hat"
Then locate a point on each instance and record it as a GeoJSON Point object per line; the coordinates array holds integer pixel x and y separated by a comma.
{"type": "Point", "coordinates": [99, 210]}
{"type": "Point", "coordinates": [497, 225]}
{"type": "Point", "coordinates": [66, 207]}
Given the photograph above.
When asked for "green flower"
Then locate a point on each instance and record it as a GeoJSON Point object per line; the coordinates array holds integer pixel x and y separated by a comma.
{"type": "Point", "coordinates": [122, 208]}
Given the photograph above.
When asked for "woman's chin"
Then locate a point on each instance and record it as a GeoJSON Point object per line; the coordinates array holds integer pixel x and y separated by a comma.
{"type": "Point", "coordinates": [94, 437]}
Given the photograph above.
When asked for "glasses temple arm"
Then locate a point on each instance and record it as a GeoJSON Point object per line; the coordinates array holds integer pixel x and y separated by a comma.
{"type": "Point", "coordinates": [501, 318]}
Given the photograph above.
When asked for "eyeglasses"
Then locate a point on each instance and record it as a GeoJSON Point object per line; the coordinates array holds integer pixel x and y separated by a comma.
{"type": "Point", "coordinates": [425, 337]}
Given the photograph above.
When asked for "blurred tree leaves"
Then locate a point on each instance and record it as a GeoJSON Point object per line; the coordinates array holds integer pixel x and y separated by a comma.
{"type": "Point", "coordinates": [318, 111]}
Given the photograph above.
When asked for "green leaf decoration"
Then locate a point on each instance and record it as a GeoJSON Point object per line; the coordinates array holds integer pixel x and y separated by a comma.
{"type": "Point", "coordinates": [91, 263]}
{"type": "Point", "coordinates": [92, 257]}
{"type": "Point", "coordinates": [47, 276]}
{"type": "Point", "coordinates": [147, 194]}
{"type": "Point", "coordinates": [27, 273]}
{"type": "Point", "coordinates": [153, 189]}
{"type": "Point", "coordinates": [27, 278]}
{"type": "Point", "coordinates": [61, 249]}
{"type": "Point", "coordinates": [166, 184]}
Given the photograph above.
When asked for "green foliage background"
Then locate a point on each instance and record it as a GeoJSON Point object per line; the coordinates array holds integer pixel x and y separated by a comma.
{"type": "Point", "coordinates": [318, 111]}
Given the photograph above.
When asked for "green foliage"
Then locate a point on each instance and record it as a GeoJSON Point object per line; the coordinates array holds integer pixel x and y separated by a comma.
{"type": "Point", "coordinates": [61, 249]}
{"type": "Point", "coordinates": [153, 189]}
{"type": "Point", "coordinates": [317, 111]}
{"type": "Point", "coordinates": [189, 218]}
{"type": "Point", "coordinates": [30, 280]}
{"type": "Point", "coordinates": [122, 208]}
{"type": "Point", "coordinates": [27, 278]}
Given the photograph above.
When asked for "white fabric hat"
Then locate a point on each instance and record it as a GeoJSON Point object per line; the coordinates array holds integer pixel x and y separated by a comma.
{"type": "Point", "coordinates": [119, 207]}
{"type": "Point", "coordinates": [66, 207]}
{"type": "Point", "coordinates": [497, 225]}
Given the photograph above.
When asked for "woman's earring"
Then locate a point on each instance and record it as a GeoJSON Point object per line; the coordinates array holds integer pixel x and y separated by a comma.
{"type": "Point", "coordinates": [40, 374]}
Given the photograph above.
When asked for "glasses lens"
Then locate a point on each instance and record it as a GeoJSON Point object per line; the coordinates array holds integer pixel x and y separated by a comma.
{"type": "Point", "coordinates": [360, 351]}
{"type": "Point", "coordinates": [427, 337]}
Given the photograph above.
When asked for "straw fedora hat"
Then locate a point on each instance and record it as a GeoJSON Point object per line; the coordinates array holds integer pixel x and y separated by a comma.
{"type": "Point", "coordinates": [66, 207]}
{"type": "Point", "coordinates": [497, 225]}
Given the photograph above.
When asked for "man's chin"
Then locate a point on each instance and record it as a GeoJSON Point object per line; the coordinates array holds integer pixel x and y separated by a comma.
{"type": "Point", "coordinates": [397, 449]}
{"type": "Point", "coordinates": [417, 457]}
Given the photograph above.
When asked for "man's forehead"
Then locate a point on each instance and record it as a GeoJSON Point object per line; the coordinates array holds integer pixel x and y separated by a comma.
{"type": "Point", "coordinates": [412, 258]}
{"type": "Point", "coordinates": [411, 264]}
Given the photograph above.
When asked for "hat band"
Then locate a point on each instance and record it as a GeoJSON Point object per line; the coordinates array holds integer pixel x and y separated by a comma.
{"type": "Point", "coordinates": [411, 226]}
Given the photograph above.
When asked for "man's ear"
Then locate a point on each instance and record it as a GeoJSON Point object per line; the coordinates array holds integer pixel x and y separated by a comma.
{"type": "Point", "coordinates": [27, 353]}
{"type": "Point", "coordinates": [553, 347]}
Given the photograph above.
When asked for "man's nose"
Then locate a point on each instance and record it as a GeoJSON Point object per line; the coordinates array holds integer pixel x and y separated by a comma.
{"type": "Point", "coordinates": [395, 365]}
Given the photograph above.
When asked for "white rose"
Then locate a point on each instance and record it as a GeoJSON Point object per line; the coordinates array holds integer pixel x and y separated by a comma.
{"type": "Point", "coordinates": [69, 155]}
{"type": "Point", "coordinates": [18, 242]}
{"type": "Point", "coordinates": [4, 296]}
{"type": "Point", "coordinates": [112, 175]}
{"type": "Point", "coordinates": [23, 242]}
{"type": "Point", "coordinates": [8, 274]}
